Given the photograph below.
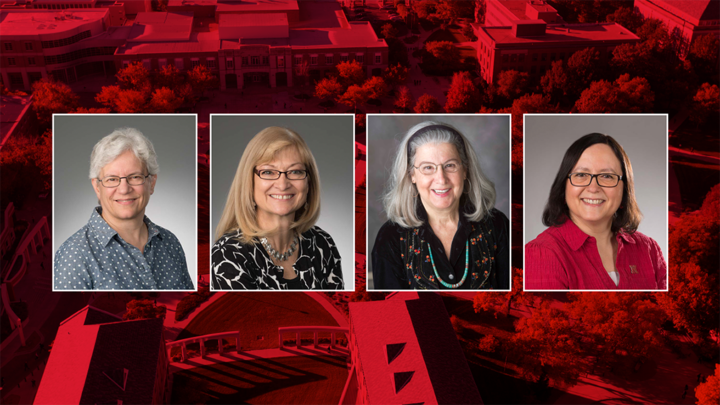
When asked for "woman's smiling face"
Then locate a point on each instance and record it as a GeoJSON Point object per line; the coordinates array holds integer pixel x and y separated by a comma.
{"type": "Point", "coordinates": [281, 197]}
{"type": "Point", "coordinates": [593, 205]}
{"type": "Point", "coordinates": [441, 191]}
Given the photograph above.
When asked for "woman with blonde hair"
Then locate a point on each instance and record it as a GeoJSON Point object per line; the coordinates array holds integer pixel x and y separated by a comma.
{"type": "Point", "coordinates": [266, 238]}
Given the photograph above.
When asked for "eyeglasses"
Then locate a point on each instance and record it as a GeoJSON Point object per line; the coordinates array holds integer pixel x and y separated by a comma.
{"type": "Point", "coordinates": [266, 174]}
{"type": "Point", "coordinates": [133, 180]}
{"type": "Point", "coordinates": [602, 179]}
{"type": "Point", "coordinates": [429, 169]}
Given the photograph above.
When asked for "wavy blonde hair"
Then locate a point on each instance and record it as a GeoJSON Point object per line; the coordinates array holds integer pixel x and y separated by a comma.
{"type": "Point", "coordinates": [400, 198]}
{"type": "Point", "coordinates": [239, 212]}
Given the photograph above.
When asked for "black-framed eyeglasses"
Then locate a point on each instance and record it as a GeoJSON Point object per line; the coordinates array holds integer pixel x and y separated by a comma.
{"type": "Point", "coordinates": [428, 169]}
{"type": "Point", "coordinates": [267, 174]}
{"type": "Point", "coordinates": [133, 180]}
{"type": "Point", "coordinates": [602, 179]}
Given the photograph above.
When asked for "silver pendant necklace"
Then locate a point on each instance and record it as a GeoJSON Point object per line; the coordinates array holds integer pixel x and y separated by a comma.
{"type": "Point", "coordinates": [274, 253]}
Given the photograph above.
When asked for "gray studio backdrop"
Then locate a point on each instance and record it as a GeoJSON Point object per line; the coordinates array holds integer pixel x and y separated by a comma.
{"type": "Point", "coordinates": [332, 143]}
{"type": "Point", "coordinates": [172, 205]}
{"type": "Point", "coordinates": [644, 138]}
{"type": "Point", "coordinates": [488, 134]}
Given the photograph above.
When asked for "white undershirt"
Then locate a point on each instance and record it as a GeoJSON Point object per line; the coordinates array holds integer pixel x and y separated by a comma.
{"type": "Point", "coordinates": [615, 276]}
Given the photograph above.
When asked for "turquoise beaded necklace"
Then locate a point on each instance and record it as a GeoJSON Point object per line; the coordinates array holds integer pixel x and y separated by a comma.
{"type": "Point", "coordinates": [446, 284]}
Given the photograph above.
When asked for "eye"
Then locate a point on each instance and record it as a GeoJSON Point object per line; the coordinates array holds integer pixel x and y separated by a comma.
{"type": "Point", "coordinates": [111, 180]}
{"type": "Point", "coordinates": [580, 175]}
{"type": "Point", "coordinates": [297, 172]}
{"type": "Point", "coordinates": [428, 167]}
{"type": "Point", "coordinates": [136, 177]}
{"type": "Point", "coordinates": [450, 165]}
{"type": "Point", "coordinates": [267, 172]}
{"type": "Point", "coordinates": [607, 176]}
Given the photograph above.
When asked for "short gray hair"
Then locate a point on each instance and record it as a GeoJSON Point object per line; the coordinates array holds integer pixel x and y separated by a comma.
{"type": "Point", "coordinates": [400, 197]}
{"type": "Point", "coordinates": [119, 141]}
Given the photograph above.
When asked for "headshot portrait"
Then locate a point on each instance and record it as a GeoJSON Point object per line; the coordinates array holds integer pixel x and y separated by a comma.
{"type": "Point", "coordinates": [282, 202]}
{"type": "Point", "coordinates": [124, 202]}
{"type": "Point", "coordinates": [438, 202]}
{"type": "Point", "coordinates": [596, 202]}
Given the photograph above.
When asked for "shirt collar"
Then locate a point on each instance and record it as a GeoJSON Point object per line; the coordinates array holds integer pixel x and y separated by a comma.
{"type": "Point", "coordinates": [104, 233]}
{"type": "Point", "coordinates": [575, 237]}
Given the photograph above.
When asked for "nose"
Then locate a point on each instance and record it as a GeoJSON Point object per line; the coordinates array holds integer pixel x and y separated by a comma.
{"type": "Point", "coordinates": [440, 174]}
{"type": "Point", "coordinates": [124, 187]}
{"type": "Point", "coordinates": [594, 185]}
{"type": "Point", "coordinates": [283, 182]}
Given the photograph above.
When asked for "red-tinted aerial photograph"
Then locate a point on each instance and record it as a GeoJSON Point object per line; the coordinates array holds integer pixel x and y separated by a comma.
{"type": "Point", "coordinates": [147, 323]}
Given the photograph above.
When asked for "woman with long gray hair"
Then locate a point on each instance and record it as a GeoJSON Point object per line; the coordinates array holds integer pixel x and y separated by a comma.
{"type": "Point", "coordinates": [443, 231]}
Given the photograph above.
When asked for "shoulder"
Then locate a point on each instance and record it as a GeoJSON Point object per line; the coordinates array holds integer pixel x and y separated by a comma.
{"type": "Point", "coordinates": [231, 241]}
{"type": "Point", "coordinates": [167, 235]}
{"type": "Point", "coordinates": [391, 231]}
{"type": "Point", "coordinates": [319, 234]}
{"type": "Point", "coordinates": [80, 240]}
{"type": "Point", "coordinates": [496, 219]}
{"type": "Point", "coordinates": [641, 240]}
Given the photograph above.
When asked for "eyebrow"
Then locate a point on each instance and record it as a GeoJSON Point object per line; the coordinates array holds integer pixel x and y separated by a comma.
{"type": "Point", "coordinates": [131, 174]}
{"type": "Point", "coordinates": [447, 161]}
{"type": "Point", "coordinates": [586, 170]}
{"type": "Point", "coordinates": [275, 167]}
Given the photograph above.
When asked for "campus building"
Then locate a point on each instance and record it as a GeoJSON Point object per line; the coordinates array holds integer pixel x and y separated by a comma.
{"type": "Point", "coordinates": [533, 45]}
{"type": "Point", "coordinates": [97, 358]}
{"type": "Point", "coordinates": [685, 19]}
{"type": "Point", "coordinates": [501, 13]}
{"type": "Point", "coordinates": [404, 351]}
{"type": "Point", "coordinates": [66, 45]}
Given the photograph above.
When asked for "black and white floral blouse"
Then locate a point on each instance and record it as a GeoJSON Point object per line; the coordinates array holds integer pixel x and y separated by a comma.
{"type": "Point", "coordinates": [237, 266]}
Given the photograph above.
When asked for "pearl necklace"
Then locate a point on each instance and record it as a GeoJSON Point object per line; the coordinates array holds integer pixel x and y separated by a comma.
{"type": "Point", "coordinates": [446, 284]}
{"type": "Point", "coordinates": [274, 253]}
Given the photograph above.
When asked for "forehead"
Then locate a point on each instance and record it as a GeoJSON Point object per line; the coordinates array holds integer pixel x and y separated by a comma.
{"type": "Point", "coordinates": [285, 156]}
{"type": "Point", "coordinates": [436, 153]}
{"type": "Point", "coordinates": [125, 163]}
{"type": "Point", "coordinates": [599, 157]}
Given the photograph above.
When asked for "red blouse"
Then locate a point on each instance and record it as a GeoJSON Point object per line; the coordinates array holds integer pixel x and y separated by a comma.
{"type": "Point", "coordinates": [564, 257]}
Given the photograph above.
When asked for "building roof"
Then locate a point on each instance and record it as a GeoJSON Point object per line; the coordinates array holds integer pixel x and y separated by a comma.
{"type": "Point", "coordinates": [360, 34]}
{"type": "Point", "coordinates": [161, 27]}
{"type": "Point", "coordinates": [197, 42]}
{"type": "Point", "coordinates": [518, 7]}
{"type": "Point", "coordinates": [691, 10]}
{"type": "Point", "coordinates": [250, 6]}
{"type": "Point", "coordinates": [253, 20]}
{"type": "Point", "coordinates": [563, 33]}
{"type": "Point", "coordinates": [34, 22]}
{"type": "Point", "coordinates": [412, 343]}
{"type": "Point", "coordinates": [91, 352]}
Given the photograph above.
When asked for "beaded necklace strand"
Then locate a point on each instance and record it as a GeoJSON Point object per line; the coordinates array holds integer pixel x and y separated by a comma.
{"type": "Point", "coordinates": [446, 284]}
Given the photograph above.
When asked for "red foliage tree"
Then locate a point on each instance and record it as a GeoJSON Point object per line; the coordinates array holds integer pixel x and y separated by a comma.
{"type": "Point", "coordinates": [328, 88]}
{"type": "Point", "coordinates": [389, 31]}
{"type": "Point", "coordinates": [624, 95]}
{"type": "Point", "coordinates": [169, 76]}
{"type": "Point", "coordinates": [395, 75]}
{"type": "Point", "coordinates": [134, 77]}
{"type": "Point", "coordinates": [354, 96]}
{"type": "Point", "coordinates": [376, 87]}
{"type": "Point", "coordinates": [705, 103]}
{"type": "Point", "coordinates": [165, 100]}
{"type": "Point", "coordinates": [108, 96]}
{"type": "Point", "coordinates": [404, 99]}
{"type": "Point", "coordinates": [462, 96]}
{"type": "Point", "coordinates": [130, 101]}
{"type": "Point", "coordinates": [511, 84]}
{"type": "Point", "coordinates": [708, 393]}
{"type": "Point", "coordinates": [201, 79]}
{"type": "Point", "coordinates": [703, 55]}
{"type": "Point", "coordinates": [427, 104]}
{"type": "Point", "coordinates": [144, 309]}
{"type": "Point", "coordinates": [51, 97]}
{"type": "Point", "coordinates": [444, 51]}
{"type": "Point", "coordinates": [626, 17]}
{"type": "Point", "coordinates": [350, 73]}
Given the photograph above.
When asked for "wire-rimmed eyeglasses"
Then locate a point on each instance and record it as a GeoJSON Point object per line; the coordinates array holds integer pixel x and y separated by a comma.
{"type": "Point", "coordinates": [428, 169]}
{"type": "Point", "coordinates": [133, 180]}
{"type": "Point", "coordinates": [602, 179]}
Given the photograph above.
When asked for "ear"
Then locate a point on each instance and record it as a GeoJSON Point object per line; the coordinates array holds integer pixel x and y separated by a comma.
{"type": "Point", "coordinates": [151, 182]}
{"type": "Point", "coordinates": [96, 186]}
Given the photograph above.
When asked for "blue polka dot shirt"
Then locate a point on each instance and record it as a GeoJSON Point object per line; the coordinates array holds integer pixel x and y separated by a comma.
{"type": "Point", "coordinates": [97, 258]}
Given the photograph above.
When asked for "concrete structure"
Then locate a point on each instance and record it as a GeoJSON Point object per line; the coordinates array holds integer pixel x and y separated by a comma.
{"type": "Point", "coordinates": [685, 19]}
{"type": "Point", "coordinates": [404, 351]}
{"type": "Point", "coordinates": [66, 45]}
{"type": "Point", "coordinates": [99, 359]}
{"type": "Point", "coordinates": [532, 45]}
{"type": "Point", "coordinates": [503, 12]}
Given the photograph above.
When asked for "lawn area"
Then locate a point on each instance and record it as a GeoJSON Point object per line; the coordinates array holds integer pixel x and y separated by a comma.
{"type": "Point", "coordinates": [296, 379]}
{"type": "Point", "coordinates": [257, 316]}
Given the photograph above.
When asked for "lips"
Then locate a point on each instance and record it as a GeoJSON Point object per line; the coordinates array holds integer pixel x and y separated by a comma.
{"type": "Point", "coordinates": [441, 192]}
{"type": "Point", "coordinates": [282, 196]}
{"type": "Point", "coordinates": [126, 201]}
{"type": "Point", "coordinates": [591, 201]}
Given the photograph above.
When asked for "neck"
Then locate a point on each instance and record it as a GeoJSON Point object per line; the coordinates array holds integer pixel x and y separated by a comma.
{"type": "Point", "coordinates": [129, 229]}
{"type": "Point", "coordinates": [600, 231]}
{"type": "Point", "coordinates": [281, 235]}
{"type": "Point", "coordinates": [443, 218]}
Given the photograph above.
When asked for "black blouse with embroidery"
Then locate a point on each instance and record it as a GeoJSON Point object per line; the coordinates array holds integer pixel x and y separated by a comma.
{"type": "Point", "coordinates": [401, 256]}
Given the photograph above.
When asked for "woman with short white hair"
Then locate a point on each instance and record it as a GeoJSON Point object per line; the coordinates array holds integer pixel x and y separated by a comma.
{"type": "Point", "coordinates": [120, 248]}
{"type": "Point", "coordinates": [443, 231]}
